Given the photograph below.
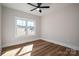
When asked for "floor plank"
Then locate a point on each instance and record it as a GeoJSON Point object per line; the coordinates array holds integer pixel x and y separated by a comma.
{"type": "Point", "coordinates": [39, 48]}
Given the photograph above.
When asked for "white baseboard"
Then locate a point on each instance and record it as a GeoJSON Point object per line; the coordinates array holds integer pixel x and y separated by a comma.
{"type": "Point", "coordinates": [60, 43]}
{"type": "Point", "coordinates": [52, 41]}
{"type": "Point", "coordinates": [11, 44]}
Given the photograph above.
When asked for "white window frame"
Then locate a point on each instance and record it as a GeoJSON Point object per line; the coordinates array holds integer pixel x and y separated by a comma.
{"type": "Point", "coordinates": [25, 19]}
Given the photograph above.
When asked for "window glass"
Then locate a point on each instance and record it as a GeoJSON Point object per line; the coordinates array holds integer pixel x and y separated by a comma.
{"type": "Point", "coordinates": [24, 27]}
{"type": "Point", "coordinates": [20, 28]}
{"type": "Point", "coordinates": [30, 28]}
{"type": "Point", "coordinates": [20, 22]}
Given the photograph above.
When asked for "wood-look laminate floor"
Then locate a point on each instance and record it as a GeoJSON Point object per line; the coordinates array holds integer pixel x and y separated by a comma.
{"type": "Point", "coordinates": [39, 48]}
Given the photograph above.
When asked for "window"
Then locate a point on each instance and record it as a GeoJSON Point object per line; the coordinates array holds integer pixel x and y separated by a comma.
{"type": "Point", "coordinates": [24, 27]}
{"type": "Point", "coordinates": [30, 28]}
{"type": "Point", "coordinates": [20, 27]}
{"type": "Point", "coordinates": [20, 23]}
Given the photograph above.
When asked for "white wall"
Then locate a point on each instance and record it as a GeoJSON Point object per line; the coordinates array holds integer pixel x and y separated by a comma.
{"type": "Point", "coordinates": [61, 26]}
{"type": "Point", "coordinates": [0, 28]}
{"type": "Point", "coordinates": [8, 27]}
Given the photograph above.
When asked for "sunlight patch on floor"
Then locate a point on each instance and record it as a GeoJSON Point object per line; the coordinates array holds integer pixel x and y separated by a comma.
{"type": "Point", "coordinates": [24, 51]}
{"type": "Point", "coordinates": [11, 52]}
{"type": "Point", "coordinates": [28, 54]}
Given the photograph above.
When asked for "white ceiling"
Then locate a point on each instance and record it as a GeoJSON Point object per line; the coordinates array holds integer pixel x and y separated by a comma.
{"type": "Point", "coordinates": [26, 8]}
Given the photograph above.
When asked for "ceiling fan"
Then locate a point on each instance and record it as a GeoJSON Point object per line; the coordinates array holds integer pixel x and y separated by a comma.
{"type": "Point", "coordinates": [38, 7]}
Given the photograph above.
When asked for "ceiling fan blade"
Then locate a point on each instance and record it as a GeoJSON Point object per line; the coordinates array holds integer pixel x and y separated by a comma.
{"type": "Point", "coordinates": [33, 9]}
{"type": "Point", "coordinates": [44, 7]}
{"type": "Point", "coordinates": [31, 4]}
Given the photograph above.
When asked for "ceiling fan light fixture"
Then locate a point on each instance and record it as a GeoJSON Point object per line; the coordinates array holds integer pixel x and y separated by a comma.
{"type": "Point", "coordinates": [38, 9]}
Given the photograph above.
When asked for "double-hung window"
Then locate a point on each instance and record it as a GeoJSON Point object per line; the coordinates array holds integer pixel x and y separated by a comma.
{"type": "Point", "coordinates": [24, 27]}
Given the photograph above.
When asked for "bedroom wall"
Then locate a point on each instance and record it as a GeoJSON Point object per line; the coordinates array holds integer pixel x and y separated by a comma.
{"type": "Point", "coordinates": [0, 29]}
{"type": "Point", "coordinates": [61, 26]}
{"type": "Point", "coordinates": [8, 27]}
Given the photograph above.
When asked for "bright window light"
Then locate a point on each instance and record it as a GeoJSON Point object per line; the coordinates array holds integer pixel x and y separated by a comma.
{"type": "Point", "coordinates": [31, 28]}
{"type": "Point", "coordinates": [24, 27]}
{"type": "Point", "coordinates": [30, 23]}
{"type": "Point", "coordinates": [20, 22]}
{"type": "Point", "coordinates": [20, 27]}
